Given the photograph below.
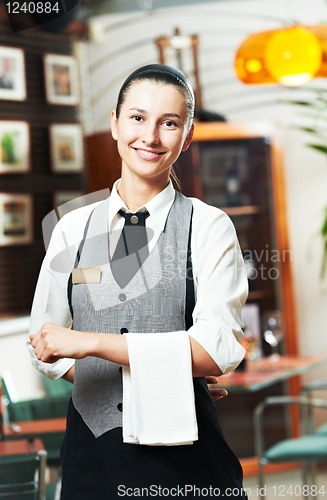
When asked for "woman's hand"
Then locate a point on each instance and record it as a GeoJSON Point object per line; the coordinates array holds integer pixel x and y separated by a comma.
{"type": "Point", "coordinates": [54, 342]}
{"type": "Point", "coordinates": [215, 393]}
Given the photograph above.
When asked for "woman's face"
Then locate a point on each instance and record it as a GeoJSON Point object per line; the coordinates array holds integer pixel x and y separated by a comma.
{"type": "Point", "coordinates": [152, 130]}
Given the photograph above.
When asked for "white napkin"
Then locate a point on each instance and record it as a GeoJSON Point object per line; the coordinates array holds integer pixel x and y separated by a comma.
{"type": "Point", "coordinates": [158, 394]}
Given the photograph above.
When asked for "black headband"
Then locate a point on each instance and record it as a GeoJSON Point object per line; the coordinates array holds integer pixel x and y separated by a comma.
{"type": "Point", "coordinates": [161, 68]}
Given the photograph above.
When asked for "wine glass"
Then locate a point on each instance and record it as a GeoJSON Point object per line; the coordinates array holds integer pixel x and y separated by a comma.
{"type": "Point", "coordinates": [273, 331]}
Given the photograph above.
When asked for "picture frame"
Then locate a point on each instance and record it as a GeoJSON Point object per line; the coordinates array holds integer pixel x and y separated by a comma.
{"type": "Point", "coordinates": [61, 79]}
{"type": "Point", "coordinates": [252, 329]}
{"type": "Point", "coordinates": [12, 74]}
{"type": "Point", "coordinates": [66, 201]}
{"type": "Point", "coordinates": [14, 146]}
{"type": "Point", "coordinates": [67, 149]}
{"type": "Point", "coordinates": [16, 216]}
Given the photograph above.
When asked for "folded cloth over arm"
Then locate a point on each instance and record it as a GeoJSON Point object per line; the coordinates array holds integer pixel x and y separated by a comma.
{"type": "Point", "coordinates": [158, 394]}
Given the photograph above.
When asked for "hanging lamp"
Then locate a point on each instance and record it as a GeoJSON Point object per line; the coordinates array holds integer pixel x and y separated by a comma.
{"type": "Point", "coordinates": [290, 56]}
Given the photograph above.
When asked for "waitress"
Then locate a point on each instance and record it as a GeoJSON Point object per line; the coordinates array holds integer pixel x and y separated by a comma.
{"type": "Point", "coordinates": [155, 310]}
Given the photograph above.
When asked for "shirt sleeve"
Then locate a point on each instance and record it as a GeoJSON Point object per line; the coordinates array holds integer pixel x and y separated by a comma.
{"type": "Point", "coordinates": [221, 286]}
{"type": "Point", "coordinates": [50, 303]}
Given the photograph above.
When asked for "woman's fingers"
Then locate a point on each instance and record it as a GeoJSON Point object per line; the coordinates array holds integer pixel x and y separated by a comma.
{"type": "Point", "coordinates": [215, 393]}
{"type": "Point", "coordinates": [34, 338]}
{"type": "Point", "coordinates": [44, 343]}
{"type": "Point", "coordinates": [54, 342]}
{"type": "Point", "coordinates": [212, 380]}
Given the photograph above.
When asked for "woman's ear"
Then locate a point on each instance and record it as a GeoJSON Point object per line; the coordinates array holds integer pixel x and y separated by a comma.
{"type": "Point", "coordinates": [188, 139]}
{"type": "Point", "coordinates": [114, 125]}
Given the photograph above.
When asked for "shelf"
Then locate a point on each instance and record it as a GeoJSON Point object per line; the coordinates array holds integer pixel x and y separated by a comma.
{"type": "Point", "coordinates": [245, 210]}
{"type": "Point", "coordinates": [259, 294]}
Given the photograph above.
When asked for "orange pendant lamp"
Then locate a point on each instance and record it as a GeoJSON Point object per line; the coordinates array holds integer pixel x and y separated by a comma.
{"type": "Point", "coordinates": [289, 56]}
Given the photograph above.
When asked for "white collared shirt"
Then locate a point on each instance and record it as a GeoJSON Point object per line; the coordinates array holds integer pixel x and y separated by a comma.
{"type": "Point", "coordinates": [220, 279]}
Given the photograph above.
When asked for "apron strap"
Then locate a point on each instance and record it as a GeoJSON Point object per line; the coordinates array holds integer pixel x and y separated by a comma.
{"type": "Point", "coordinates": [190, 296]}
{"type": "Point", "coordinates": [78, 257]}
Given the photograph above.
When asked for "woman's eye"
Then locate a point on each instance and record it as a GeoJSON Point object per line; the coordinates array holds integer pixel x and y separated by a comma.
{"type": "Point", "coordinates": [170, 123]}
{"type": "Point", "coordinates": [137, 118]}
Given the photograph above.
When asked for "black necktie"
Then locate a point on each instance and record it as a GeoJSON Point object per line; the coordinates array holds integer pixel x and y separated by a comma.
{"type": "Point", "coordinates": [133, 240]}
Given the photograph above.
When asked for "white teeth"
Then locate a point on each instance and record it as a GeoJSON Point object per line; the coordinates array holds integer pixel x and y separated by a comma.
{"type": "Point", "coordinates": [147, 153]}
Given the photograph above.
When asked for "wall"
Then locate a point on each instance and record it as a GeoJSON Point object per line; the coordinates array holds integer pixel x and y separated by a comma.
{"type": "Point", "coordinates": [24, 261]}
{"type": "Point", "coordinates": [127, 41]}
{"type": "Point", "coordinates": [20, 264]}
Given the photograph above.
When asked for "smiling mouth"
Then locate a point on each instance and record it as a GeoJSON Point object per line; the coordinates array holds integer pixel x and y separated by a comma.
{"type": "Point", "coordinates": [149, 154]}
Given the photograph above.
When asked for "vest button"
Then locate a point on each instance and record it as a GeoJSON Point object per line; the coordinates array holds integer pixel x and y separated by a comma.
{"type": "Point", "coordinates": [120, 369]}
{"type": "Point", "coordinates": [122, 297]}
{"type": "Point", "coordinates": [120, 406]}
{"type": "Point", "coordinates": [123, 330]}
{"type": "Point", "coordinates": [134, 219]}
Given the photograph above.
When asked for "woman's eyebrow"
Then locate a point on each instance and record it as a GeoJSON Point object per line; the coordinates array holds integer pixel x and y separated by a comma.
{"type": "Point", "coordinates": [166, 115]}
{"type": "Point", "coordinates": [172, 115]}
{"type": "Point", "coordinates": [143, 111]}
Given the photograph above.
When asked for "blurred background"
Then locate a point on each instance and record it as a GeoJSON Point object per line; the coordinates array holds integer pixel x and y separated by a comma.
{"type": "Point", "coordinates": [258, 68]}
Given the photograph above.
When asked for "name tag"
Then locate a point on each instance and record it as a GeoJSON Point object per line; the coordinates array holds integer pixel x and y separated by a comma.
{"type": "Point", "coordinates": [86, 275]}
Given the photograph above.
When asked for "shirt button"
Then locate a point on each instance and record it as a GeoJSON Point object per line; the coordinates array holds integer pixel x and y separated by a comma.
{"type": "Point", "coordinates": [122, 297]}
{"type": "Point", "coordinates": [123, 330]}
{"type": "Point", "coordinates": [134, 219]}
{"type": "Point", "coordinates": [120, 406]}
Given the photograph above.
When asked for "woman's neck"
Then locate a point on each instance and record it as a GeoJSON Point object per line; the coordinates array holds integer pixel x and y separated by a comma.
{"type": "Point", "coordinates": [137, 192]}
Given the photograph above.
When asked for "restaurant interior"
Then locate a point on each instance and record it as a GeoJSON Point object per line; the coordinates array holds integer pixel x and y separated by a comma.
{"type": "Point", "coordinates": [258, 69]}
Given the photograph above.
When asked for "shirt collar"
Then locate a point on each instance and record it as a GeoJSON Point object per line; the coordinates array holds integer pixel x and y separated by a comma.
{"type": "Point", "coordinates": [158, 207]}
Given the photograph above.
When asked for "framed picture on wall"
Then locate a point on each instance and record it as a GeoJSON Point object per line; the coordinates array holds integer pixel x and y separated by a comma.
{"type": "Point", "coordinates": [15, 219]}
{"type": "Point", "coordinates": [61, 79]}
{"type": "Point", "coordinates": [66, 144]}
{"type": "Point", "coordinates": [12, 74]}
{"type": "Point", "coordinates": [252, 329]}
{"type": "Point", "coordinates": [66, 201]}
{"type": "Point", "coordinates": [14, 146]}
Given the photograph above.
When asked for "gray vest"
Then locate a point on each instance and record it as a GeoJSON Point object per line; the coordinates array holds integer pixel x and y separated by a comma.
{"type": "Point", "coordinates": [154, 301]}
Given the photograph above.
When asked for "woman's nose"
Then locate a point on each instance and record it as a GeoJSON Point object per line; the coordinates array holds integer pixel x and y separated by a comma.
{"type": "Point", "coordinates": [151, 134]}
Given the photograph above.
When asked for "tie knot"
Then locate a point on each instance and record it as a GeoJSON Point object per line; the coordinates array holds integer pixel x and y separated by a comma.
{"type": "Point", "coordinates": [134, 219]}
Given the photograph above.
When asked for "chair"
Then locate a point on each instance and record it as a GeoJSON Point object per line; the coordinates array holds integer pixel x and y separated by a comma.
{"type": "Point", "coordinates": [307, 391]}
{"type": "Point", "coordinates": [22, 470]}
{"type": "Point", "coordinates": [56, 388]}
{"type": "Point", "coordinates": [49, 407]}
{"type": "Point", "coordinates": [309, 448]}
{"type": "Point", "coordinates": [42, 418]}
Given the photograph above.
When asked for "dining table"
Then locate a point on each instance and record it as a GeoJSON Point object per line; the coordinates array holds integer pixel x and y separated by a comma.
{"type": "Point", "coordinates": [265, 372]}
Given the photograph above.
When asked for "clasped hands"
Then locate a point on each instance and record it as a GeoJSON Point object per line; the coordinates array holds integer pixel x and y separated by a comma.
{"type": "Point", "coordinates": [54, 342]}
